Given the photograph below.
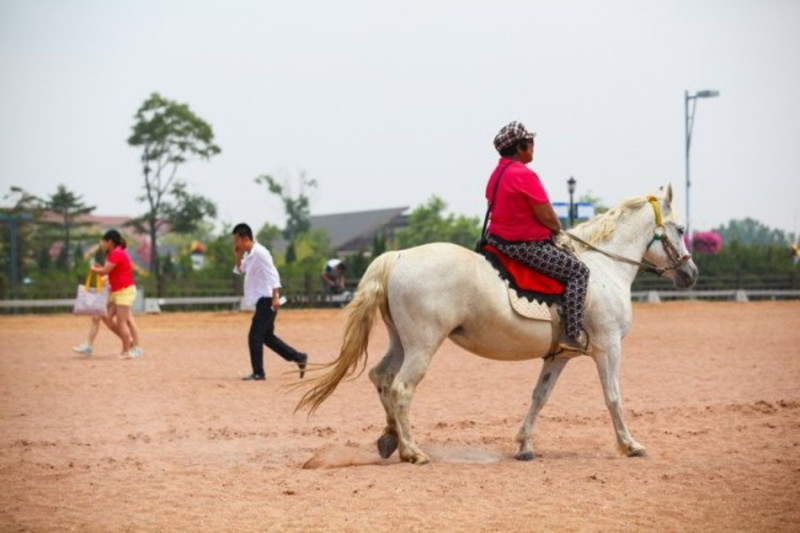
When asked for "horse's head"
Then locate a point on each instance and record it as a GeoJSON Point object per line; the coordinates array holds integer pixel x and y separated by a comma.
{"type": "Point", "coordinates": [667, 250]}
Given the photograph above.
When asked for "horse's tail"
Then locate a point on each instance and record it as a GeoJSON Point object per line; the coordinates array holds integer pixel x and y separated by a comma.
{"type": "Point", "coordinates": [370, 295]}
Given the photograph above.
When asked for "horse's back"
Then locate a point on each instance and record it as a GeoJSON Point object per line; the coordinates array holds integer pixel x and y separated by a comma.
{"type": "Point", "coordinates": [445, 290]}
{"type": "Point", "coordinates": [439, 267]}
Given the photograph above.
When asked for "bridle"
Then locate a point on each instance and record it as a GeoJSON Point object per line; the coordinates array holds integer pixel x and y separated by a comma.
{"type": "Point", "coordinates": [659, 235]}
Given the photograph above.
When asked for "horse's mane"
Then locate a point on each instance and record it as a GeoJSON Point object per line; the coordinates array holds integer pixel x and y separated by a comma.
{"type": "Point", "coordinates": [600, 227]}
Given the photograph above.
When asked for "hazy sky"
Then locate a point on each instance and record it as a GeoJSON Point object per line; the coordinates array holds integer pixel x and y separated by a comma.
{"type": "Point", "coordinates": [388, 103]}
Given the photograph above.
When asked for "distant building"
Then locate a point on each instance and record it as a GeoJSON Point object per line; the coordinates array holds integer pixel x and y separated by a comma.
{"type": "Point", "coordinates": [352, 233]}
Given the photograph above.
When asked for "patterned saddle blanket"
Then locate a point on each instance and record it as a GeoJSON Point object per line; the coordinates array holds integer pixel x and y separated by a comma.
{"type": "Point", "coordinates": [529, 292]}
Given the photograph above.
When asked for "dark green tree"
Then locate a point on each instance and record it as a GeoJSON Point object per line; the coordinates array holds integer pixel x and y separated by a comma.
{"type": "Point", "coordinates": [427, 223]}
{"type": "Point", "coordinates": [23, 216]}
{"type": "Point", "coordinates": [219, 258]}
{"type": "Point", "coordinates": [68, 207]}
{"type": "Point", "coordinates": [297, 208]}
{"type": "Point", "coordinates": [44, 262]}
{"type": "Point", "coordinates": [189, 211]}
{"type": "Point", "coordinates": [378, 244]}
{"type": "Point", "coordinates": [268, 234]}
{"type": "Point", "coordinates": [749, 231]}
{"type": "Point", "coordinates": [169, 134]}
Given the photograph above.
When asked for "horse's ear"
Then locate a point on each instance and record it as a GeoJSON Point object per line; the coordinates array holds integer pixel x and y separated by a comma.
{"type": "Point", "coordinates": [668, 195]}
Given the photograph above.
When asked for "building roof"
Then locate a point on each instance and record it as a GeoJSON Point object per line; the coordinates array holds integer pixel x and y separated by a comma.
{"type": "Point", "coordinates": [354, 232]}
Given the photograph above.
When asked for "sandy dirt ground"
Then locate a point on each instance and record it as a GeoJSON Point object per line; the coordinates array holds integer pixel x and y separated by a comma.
{"type": "Point", "coordinates": [175, 441]}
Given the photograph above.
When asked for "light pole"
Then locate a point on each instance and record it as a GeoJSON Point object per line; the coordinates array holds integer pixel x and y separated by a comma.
{"type": "Point", "coordinates": [688, 118]}
{"type": "Point", "coordinates": [571, 188]}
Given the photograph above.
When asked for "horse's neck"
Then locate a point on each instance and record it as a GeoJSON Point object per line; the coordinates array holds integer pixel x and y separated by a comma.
{"type": "Point", "coordinates": [628, 240]}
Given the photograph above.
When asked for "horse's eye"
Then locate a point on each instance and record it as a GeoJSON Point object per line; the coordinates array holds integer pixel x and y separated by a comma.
{"type": "Point", "coordinates": [681, 230]}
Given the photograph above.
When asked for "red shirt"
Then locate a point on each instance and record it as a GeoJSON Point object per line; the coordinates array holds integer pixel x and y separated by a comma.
{"type": "Point", "coordinates": [121, 276]}
{"type": "Point", "coordinates": [512, 215]}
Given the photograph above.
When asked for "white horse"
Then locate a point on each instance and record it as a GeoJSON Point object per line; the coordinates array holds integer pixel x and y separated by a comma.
{"type": "Point", "coordinates": [431, 292]}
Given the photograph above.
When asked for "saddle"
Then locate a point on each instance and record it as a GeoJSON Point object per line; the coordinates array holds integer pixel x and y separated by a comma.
{"type": "Point", "coordinates": [530, 293]}
{"type": "Point", "coordinates": [526, 283]}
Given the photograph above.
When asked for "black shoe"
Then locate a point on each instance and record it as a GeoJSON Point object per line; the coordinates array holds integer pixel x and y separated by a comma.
{"type": "Point", "coordinates": [301, 364]}
{"type": "Point", "coordinates": [254, 377]}
{"type": "Point", "coordinates": [569, 344]}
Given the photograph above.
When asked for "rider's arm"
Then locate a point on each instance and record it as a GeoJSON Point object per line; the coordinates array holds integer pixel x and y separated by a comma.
{"type": "Point", "coordinates": [545, 214]}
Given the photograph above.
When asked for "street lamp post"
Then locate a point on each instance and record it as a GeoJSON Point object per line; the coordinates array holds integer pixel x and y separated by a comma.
{"type": "Point", "coordinates": [688, 119]}
{"type": "Point", "coordinates": [571, 188]}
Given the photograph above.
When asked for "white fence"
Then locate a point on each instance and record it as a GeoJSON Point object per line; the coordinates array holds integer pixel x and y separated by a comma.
{"type": "Point", "coordinates": [155, 305]}
{"type": "Point", "coordinates": [738, 295]}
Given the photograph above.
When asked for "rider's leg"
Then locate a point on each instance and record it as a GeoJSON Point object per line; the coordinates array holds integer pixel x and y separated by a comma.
{"type": "Point", "coordinates": [545, 257]}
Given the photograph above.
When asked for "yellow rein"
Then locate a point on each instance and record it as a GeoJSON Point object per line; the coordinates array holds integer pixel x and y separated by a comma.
{"type": "Point", "coordinates": [657, 236]}
{"type": "Point", "coordinates": [657, 208]}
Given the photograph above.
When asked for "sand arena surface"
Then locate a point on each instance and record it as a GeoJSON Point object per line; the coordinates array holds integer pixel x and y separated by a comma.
{"type": "Point", "coordinates": [175, 441]}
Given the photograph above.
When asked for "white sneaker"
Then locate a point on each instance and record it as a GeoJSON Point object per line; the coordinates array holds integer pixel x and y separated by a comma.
{"type": "Point", "coordinates": [85, 349]}
{"type": "Point", "coordinates": [136, 351]}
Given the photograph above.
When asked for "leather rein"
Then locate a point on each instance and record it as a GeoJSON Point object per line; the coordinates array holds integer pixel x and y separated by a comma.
{"type": "Point", "coordinates": [659, 234]}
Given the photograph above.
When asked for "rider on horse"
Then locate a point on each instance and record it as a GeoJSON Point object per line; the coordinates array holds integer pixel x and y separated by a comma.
{"type": "Point", "coordinates": [523, 225]}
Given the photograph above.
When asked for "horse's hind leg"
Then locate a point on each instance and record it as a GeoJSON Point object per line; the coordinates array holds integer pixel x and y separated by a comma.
{"type": "Point", "coordinates": [382, 376]}
{"type": "Point", "coordinates": [415, 364]}
{"type": "Point", "coordinates": [551, 370]}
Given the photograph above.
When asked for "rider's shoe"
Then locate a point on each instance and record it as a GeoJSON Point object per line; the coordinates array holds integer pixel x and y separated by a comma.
{"type": "Point", "coordinates": [569, 344]}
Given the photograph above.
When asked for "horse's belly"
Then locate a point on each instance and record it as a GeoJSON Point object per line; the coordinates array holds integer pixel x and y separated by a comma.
{"type": "Point", "coordinates": [529, 340]}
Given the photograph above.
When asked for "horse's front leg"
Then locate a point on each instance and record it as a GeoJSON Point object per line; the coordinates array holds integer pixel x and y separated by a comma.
{"type": "Point", "coordinates": [607, 362]}
{"type": "Point", "coordinates": [551, 370]}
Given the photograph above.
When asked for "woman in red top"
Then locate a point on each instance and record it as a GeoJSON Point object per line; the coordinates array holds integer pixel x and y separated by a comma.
{"type": "Point", "coordinates": [123, 290]}
{"type": "Point", "coordinates": [523, 223]}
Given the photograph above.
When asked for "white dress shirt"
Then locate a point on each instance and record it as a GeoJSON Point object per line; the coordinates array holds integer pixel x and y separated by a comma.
{"type": "Point", "coordinates": [260, 274]}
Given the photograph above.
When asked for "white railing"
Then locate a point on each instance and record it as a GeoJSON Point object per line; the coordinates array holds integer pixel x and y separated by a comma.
{"type": "Point", "coordinates": [154, 305]}
{"type": "Point", "coordinates": [739, 295]}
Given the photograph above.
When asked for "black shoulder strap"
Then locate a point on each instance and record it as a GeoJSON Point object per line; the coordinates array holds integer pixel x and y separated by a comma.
{"type": "Point", "coordinates": [491, 200]}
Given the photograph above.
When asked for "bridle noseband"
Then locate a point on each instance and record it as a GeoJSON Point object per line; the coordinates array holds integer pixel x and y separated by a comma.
{"type": "Point", "coordinates": [659, 235]}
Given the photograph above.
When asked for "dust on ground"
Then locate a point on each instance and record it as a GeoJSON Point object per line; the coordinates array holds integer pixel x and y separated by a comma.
{"type": "Point", "coordinates": [176, 441]}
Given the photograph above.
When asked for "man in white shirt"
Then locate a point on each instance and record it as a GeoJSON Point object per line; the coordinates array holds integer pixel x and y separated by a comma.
{"type": "Point", "coordinates": [262, 285]}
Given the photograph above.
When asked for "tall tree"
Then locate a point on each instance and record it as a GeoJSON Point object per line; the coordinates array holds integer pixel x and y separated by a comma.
{"type": "Point", "coordinates": [297, 208]}
{"type": "Point", "coordinates": [427, 223]}
{"type": "Point", "coordinates": [69, 207]}
{"type": "Point", "coordinates": [188, 212]}
{"type": "Point", "coordinates": [169, 134]}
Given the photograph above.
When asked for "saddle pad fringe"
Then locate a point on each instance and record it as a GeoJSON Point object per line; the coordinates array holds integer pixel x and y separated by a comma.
{"type": "Point", "coordinates": [525, 308]}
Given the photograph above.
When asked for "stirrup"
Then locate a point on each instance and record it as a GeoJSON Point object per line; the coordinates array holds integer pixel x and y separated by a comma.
{"type": "Point", "coordinates": [568, 344]}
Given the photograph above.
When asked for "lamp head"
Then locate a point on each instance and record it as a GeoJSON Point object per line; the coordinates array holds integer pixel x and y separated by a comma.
{"type": "Point", "coordinates": [571, 185]}
{"type": "Point", "coordinates": [707, 94]}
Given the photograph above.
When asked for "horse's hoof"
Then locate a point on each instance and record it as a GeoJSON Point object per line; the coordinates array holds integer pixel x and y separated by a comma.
{"type": "Point", "coordinates": [387, 444]}
{"type": "Point", "coordinates": [419, 459]}
{"type": "Point", "coordinates": [637, 452]}
{"type": "Point", "coordinates": [524, 456]}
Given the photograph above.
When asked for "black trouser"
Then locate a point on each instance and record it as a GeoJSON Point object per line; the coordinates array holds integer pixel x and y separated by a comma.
{"type": "Point", "coordinates": [262, 331]}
